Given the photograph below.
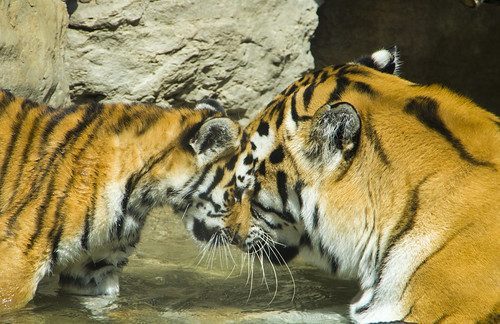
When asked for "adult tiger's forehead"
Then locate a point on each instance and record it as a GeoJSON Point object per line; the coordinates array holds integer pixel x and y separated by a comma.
{"type": "Point", "coordinates": [301, 99]}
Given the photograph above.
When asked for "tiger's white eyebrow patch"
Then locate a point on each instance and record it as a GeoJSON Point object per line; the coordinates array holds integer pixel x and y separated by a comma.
{"type": "Point", "coordinates": [263, 144]}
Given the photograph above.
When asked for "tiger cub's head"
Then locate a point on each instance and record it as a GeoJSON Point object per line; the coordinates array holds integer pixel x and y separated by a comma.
{"type": "Point", "coordinates": [263, 198]}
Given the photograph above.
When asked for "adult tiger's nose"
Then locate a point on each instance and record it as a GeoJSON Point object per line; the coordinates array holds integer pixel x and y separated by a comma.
{"type": "Point", "coordinates": [234, 237]}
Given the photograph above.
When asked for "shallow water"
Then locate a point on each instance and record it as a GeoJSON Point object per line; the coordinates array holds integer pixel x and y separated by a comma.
{"type": "Point", "coordinates": [163, 283]}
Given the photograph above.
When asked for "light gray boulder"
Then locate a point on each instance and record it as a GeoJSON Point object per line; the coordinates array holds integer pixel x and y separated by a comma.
{"type": "Point", "coordinates": [241, 51]}
{"type": "Point", "coordinates": [32, 44]}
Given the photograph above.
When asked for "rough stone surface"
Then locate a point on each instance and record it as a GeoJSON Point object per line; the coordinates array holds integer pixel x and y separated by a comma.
{"type": "Point", "coordinates": [32, 41]}
{"type": "Point", "coordinates": [169, 52]}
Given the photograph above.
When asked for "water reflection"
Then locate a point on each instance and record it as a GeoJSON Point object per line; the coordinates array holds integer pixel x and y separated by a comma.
{"type": "Point", "coordinates": [163, 283]}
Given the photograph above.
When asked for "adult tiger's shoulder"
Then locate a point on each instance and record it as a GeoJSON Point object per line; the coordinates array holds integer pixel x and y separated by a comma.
{"type": "Point", "coordinates": [376, 178]}
{"type": "Point", "coordinates": [76, 185]}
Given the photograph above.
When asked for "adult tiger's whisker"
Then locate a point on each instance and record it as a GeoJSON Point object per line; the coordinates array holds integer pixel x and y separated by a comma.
{"type": "Point", "coordinates": [261, 259]}
{"type": "Point", "coordinates": [275, 275]}
{"type": "Point", "coordinates": [251, 276]}
{"type": "Point", "coordinates": [185, 211]}
{"type": "Point", "coordinates": [204, 251]}
{"type": "Point", "coordinates": [277, 254]}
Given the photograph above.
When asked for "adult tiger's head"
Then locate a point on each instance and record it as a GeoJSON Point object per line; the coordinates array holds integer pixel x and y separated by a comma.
{"type": "Point", "coordinates": [308, 134]}
{"type": "Point", "coordinates": [370, 177]}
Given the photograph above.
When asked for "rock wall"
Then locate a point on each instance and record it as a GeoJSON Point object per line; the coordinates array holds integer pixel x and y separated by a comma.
{"type": "Point", "coordinates": [32, 42]}
{"type": "Point", "coordinates": [242, 52]}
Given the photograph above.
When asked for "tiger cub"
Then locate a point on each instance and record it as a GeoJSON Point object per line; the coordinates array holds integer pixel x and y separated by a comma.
{"type": "Point", "coordinates": [76, 185]}
{"type": "Point", "coordinates": [375, 178]}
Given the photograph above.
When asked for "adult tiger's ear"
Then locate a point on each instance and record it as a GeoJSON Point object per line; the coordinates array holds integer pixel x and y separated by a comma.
{"type": "Point", "coordinates": [215, 138]}
{"type": "Point", "coordinates": [385, 60]}
{"type": "Point", "coordinates": [335, 129]}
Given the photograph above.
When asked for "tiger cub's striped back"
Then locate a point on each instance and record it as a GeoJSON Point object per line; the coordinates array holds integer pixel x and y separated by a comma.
{"type": "Point", "coordinates": [76, 185]}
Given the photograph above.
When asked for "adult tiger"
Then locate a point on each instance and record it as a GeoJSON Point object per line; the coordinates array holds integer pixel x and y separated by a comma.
{"type": "Point", "coordinates": [375, 178]}
{"type": "Point", "coordinates": [76, 185]}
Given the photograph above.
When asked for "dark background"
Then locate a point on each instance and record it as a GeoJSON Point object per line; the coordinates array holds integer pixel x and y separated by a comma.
{"type": "Point", "coordinates": [440, 41]}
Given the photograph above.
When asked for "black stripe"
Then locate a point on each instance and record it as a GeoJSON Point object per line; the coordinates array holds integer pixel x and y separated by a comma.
{"type": "Point", "coordinates": [315, 217]}
{"type": "Point", "coordinates": [262, 168]}
{"type": "Point", "coordinates": [340, 87]}
{"type": "Point", "coordinates": [56, 239]}
{"type": "Point", "coordinates": [219, 174]}
{"type": "Point", "coordinates": [126, 119]}
{"type": "Point", "coordinates": [147, 123]}
{"type": "Point", "coordinates": [54, 121]}
{"type": "Point", "coordinates": [287, 217]}
{"type": "Point", "coordinates": [257, 215]}
{"type": "Point", "coordinates": [7, 99]}
{"type": "Point", "coordinates": [86, 226]}
{"type": "Point", "coordinates": [299, 186]}
{"type": "Point", "coordinates": [248, 159]}
{"type": "Point", "coordinates": [425, 109]}
{"type": "Point", "coordinates": [263, 128]}
{"type": "Point", "coordinates": [404, 225]}
{"type": "Point", "coordinates": [305, 240]}
{"type": "Point", "coordinates": [407, 219]}
{"type": "Point", "coordinates": [192, 187]}
{"type": "Point", "coordinates": [15, 132]}
{"type": "Point", "coordinates": [307, 95]}
{"type": "Point", "coordinates": [334, 264]}
{"type": "Point", "coordinates": [231, 163]}
{"type": "Point", "coordinates": [188, 135]}
{"type": "Point", "coordinates": [91, 114]}
{"type": "Point", "coordinates": [24, 157]}
{"type": "Point", "coordinates": [372, 135]}
{"type": "Point", "coordinates": [364, 88]}
{"type": "Point", "coordinates": [59, 218]}
{"type": "Point", "coordinates": [277, 155]}
{"type": "Point", "coordinates": [95, 266]}
{"type": "Point", "coordinates": [281, 111]}
{"type": "Point", "coordinates": [322, 78]}
{"type": "Point", "coordinates": [134, 178]}
{"type": "Point", "coordinates": [291, 89]}
{"type": "Point", "coordinates": [281, 185]}
{"type": "Point", "coordinates": [293, 108]}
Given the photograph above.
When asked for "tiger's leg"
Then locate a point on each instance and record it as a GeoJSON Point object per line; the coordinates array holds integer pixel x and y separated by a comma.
{"type": "Point", "coordinates": [19, 277]}
{"type": "Point", "coordinates": [94, 277]}
{"type": "Point", "coordinates": [460, 283]}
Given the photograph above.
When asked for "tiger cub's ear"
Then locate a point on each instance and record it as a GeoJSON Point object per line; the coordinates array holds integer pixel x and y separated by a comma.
{"type": "Point", "coordinates": [214, 139]}
{"type": "Point", "coordinates": [210, 104]}
{"type": "Point", "coordinates": [335, 128]}
{"type": "Point", "coordinates": [385, 60]}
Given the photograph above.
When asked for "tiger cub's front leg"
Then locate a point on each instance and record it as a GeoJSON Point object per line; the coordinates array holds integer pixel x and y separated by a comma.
{"type": "Point", "coordinates": [98, 276]}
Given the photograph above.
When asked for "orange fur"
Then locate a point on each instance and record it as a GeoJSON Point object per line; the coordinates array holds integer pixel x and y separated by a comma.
{"type": "Point", "coordinates": [413, 215]}
{"type": "Point", "coordinates": [66, 177]}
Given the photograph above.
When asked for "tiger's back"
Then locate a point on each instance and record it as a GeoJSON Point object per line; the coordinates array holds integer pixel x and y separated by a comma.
{"type": "Point", "coordinates": [76, 186]}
